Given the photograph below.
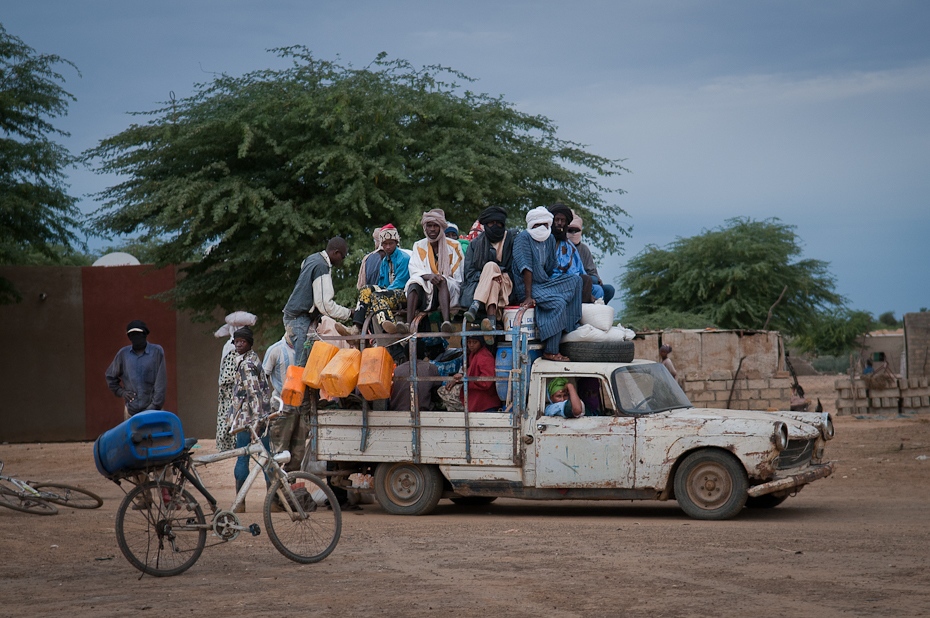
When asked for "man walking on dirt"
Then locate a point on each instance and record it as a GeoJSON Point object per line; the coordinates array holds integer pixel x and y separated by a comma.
{"type": "Point", "coordinates": [138, 373]}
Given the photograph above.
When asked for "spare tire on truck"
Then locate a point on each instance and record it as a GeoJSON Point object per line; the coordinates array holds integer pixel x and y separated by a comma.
{"type": "Point", "coordinates": [598, 351]}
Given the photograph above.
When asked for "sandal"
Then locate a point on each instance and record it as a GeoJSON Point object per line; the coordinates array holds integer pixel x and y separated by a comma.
{"type": "Point", "coordinates": [556, 357]}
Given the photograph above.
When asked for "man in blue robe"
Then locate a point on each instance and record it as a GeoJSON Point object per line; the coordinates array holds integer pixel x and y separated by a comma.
{"type": "Point", "coordinates": [557, 300]}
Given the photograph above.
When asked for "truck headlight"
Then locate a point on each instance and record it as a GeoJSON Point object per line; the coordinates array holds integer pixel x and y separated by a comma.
{"type": "Point", "coordinates": [780, 437]}
{"type": "Point", "coordinates": [826, 426]}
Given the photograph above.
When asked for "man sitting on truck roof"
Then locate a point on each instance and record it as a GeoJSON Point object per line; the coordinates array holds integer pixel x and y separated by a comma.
{"type": "Point", "coordinates": [487, 287]}
{"type": "Point", "coordinates": [564, 398]}
{"type": "Point", "coordinates": [435, 274]}
{"type": "Point", "coordinates": [557, 299]}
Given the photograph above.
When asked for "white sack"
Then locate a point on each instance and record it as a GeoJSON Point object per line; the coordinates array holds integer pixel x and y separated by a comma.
{"type": "Point", "coordinates": [599, 316]}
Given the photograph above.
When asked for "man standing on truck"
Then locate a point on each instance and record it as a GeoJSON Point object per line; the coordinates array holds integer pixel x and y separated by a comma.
{"type": "Point", "coordinates": [557, 299]}
{"type": "Point", "coordinates": [312, 298]}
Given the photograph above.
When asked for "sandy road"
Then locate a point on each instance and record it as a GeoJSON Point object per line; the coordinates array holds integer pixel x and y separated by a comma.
{"type": "Point", "coordinates": [856, 544]}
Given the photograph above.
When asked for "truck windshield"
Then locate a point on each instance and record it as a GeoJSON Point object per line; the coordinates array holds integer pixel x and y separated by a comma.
{"type": "Point", "coordinates": [646, 389]}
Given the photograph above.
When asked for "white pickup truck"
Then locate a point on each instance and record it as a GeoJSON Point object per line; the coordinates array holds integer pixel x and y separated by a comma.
{"type": "Point", "coordinates": [644, 441]}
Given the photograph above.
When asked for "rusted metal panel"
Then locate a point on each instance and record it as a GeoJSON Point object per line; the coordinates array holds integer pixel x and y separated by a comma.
{"type": "Point", "coordinates": [595, 451]}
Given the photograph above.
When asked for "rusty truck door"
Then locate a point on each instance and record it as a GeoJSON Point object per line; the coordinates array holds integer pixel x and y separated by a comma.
{"type": "Point", "coordinates": [590, 451]}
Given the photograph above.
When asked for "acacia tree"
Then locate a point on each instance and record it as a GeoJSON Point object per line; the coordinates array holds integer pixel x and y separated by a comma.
{"type": "Point", "coordinates": [250, 174]}
{"type": "Point", "coordinates": [37, 216]}
{"type": "Point", "coordinates": [731, 276]}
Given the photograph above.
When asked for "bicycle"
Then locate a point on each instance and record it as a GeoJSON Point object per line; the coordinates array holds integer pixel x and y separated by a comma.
{"type": "Point", "coordinates": [162, 531]}
{"type": "Point", "coordinates": [41, 498]}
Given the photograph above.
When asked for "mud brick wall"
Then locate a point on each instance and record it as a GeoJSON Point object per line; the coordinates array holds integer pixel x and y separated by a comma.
{"type": "Point", "coordinates": [908, 396]}
{"type": "Point", "coordinates": [917, 344]}
{"type": "Point", "coordinates": [708, 365]}
{"type": "Point", "coordinates": [915, 395]}
{"type": "Point", "coordinates": [772, 393]}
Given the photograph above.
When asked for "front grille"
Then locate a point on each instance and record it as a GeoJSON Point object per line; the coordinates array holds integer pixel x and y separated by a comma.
{"type": "Point", "coordinates": [798, 453]}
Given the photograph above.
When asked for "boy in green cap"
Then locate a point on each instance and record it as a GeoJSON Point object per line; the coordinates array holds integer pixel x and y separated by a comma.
{"type": "Point", "coordinates": [564, 399]}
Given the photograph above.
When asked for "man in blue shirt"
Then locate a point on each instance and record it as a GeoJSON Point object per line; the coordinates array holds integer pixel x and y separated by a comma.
{"type": "Point", "coordinates": [565, 399]}
{"type": "Point", "coordinates": [138, 373]}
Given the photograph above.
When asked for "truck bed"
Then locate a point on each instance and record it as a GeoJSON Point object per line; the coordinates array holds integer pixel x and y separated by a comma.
{"type": "Point", "coordinates": [442, 438]}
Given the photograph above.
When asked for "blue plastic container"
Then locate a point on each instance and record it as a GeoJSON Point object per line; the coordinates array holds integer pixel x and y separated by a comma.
{"type": "Point", "coordinates": [146, 439]}
{"type": "Point", "coordinates": [503, 363]}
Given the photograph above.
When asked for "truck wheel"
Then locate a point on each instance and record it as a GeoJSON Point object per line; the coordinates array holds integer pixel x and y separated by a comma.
{"type": "Point", "coordinates": [407, 488]}
{"type": "Point", "coordinates": [711, 484]}
{"type": "Point", "coordinates": [598, 351]}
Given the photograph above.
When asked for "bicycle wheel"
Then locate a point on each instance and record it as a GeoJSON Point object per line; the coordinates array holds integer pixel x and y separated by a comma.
{"type": "Point", "coordinates": [160, 529]}
{"type": "Point", "coordinates": [308, 537]}
{"type": "Point", "coordinates": [14, 499]}
{"type": "Point", "coordinates": [69, 495]}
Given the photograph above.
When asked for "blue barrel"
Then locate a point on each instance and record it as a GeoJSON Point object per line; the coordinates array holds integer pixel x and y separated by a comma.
{"type": "Point", "coordinates": [145, 439]}
{"type": "Point", "coordinates": [503, 363]}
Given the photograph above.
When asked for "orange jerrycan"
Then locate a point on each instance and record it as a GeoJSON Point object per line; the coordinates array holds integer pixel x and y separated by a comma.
{"type": "Point", "coordinates": [320, 354]}
{"type": "Point", "coordinates": [376, 373]}
{"type": "Point", "coordinates": [340, 375]}
{"type": "Point", "coordinates": [293, 392]}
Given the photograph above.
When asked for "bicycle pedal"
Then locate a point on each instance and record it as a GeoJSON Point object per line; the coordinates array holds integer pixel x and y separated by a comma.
{"type": "Point", "coordinates": [255, 530]}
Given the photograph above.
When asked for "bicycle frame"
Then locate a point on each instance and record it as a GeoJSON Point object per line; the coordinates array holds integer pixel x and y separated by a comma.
{"type": "Point", "coordinates": [265, 462]}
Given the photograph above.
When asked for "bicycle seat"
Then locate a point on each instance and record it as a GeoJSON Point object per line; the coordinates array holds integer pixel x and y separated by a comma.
{"type": "Point", "coordinates": [189, 443]}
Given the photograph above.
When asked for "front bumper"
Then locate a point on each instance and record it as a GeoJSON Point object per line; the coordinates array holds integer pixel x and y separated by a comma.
{"type": "Point", "coordinates": [795, 480]}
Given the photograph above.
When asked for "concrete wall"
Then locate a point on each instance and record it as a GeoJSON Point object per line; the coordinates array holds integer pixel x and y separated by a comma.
{"type": "Point", "coordinates": [60, 344]}
{"type": "Point", "coordinates": [891, 343]}
{"type": "Point", "coordinates": [745, 367]}
{"type": "Point", "coordinates": [917, 344]}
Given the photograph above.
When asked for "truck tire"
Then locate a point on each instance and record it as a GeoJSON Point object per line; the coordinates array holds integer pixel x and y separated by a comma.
{"type": "Point", "coordinates": [407, 488]}
{"type": "Point", "coordinates": [711, 484]}
{"type": "Point", "coordinates": [598, 351]}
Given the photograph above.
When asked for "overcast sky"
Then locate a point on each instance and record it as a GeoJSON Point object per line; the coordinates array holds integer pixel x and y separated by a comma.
{"type": "Point", "coordinates": [817, 113]}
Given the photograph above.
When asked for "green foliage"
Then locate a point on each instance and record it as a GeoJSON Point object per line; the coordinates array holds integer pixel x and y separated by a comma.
{"type": "Point", "coordinates": [732, 275]}
{"type": "Point", "coordinates": [887, 320]}
{"type": "Point", "coordinates": [835, 333]}
{"type": "Point", "coordinates": [251, 174]}
{"type": "Point", "coordinates": [831, 364]}
{"type": "Point", "coordinates": [665, 318]}
{"type": "Point", "coordinates": [37, 215]}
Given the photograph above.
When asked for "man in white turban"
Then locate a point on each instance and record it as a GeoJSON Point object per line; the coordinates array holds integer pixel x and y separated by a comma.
{"type": "Point", "coordinates": [436, 270]}
{"type": "Point", "coordinates": [557, 299]}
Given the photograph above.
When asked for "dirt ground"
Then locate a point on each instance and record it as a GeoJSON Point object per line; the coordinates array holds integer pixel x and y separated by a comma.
{"type": "Point", "coordinates": [855, 544]}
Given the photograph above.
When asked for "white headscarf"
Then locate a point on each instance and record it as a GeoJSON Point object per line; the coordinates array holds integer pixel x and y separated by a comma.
{"type": "Point", "coordinates": [575, 222]}
{"type": "Point", "coordinates": [438, 216]}
{"type": "Point", "coordinates": [539, 214]}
